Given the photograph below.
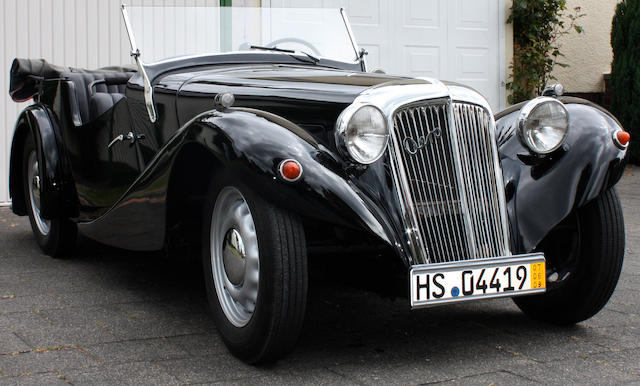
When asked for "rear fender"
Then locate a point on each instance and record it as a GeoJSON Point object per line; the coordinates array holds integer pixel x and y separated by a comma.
{"type": "Point", "coordinates": [542, 191]}
{"type": "Point", "coordinates": [39, 121]}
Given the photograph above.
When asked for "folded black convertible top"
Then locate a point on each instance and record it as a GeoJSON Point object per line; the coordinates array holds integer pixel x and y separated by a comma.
{"type": "Point", "coordinates": [27, 75]}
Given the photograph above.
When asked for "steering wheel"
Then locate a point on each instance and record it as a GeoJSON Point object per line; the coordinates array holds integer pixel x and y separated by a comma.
{"type": "Point", "coordinates": [295, 40]}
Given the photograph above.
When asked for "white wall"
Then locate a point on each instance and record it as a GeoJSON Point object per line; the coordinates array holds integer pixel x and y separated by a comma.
{"type": "Point", "coordinates": [588, 54]}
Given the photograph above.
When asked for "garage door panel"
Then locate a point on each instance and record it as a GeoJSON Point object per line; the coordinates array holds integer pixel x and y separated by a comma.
{"type": "Point", "coordinates": [421, 61]}
{"type": "Point", "coordinates": [473, 14]}
{"type": "Point", "coordinates": [472, 63]}
{"type": "Point", "coordinates": [474, 68]}
{"type": "Point", "coordinates": [365, 12]}
{"type": "Point", "coordinates": [421, 14]}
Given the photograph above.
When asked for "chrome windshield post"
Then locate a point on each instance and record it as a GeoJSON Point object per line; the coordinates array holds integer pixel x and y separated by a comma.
{"type": "Point", "coordinates": [135, 54]}
{"type": "Point", "coordinates": [360, 54]}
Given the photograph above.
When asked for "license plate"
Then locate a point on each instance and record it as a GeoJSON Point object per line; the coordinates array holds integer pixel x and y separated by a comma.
{"type": "Point", "coordinates": [477, 279]}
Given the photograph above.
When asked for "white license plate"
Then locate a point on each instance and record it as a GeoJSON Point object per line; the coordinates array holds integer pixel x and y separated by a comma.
{"type": "Point", "coordinates": [477, 279]}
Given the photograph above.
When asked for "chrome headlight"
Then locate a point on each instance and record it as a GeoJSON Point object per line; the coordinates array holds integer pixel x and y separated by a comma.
{"type": "Point", "coordinates": [543, 124]}
{"type": "Point", "coordinates": [362, 131]}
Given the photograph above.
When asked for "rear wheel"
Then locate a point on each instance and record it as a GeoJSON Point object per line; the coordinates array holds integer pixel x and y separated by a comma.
{"type": "Point", "coordinates": [584, 259]}
{"type": "Point", "coordinates": [255, 266]}
{"type": "Point", "coordinates": [56, 237]}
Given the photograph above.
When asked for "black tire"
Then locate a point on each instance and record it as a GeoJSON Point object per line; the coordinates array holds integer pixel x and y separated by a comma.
{"type": "Point", "coordinates": [275, 324]}
{"type": "Point", "coordinates": [59, 239]}
{"type": "Point", "coordinates": [592, 273]}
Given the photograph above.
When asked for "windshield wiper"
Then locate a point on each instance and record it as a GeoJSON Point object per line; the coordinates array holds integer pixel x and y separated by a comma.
{"type": "Point", "coordinates": [274, 48]}
{"type": "Point", "coordinates": [314, 60]}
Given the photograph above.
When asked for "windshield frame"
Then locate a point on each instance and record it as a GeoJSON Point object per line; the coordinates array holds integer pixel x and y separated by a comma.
{"type": "Point", "coordinates": [136, 54]}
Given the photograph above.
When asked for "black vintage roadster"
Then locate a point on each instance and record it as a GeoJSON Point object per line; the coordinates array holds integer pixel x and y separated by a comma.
{"type": "Point", "coordinates": [275, 141]}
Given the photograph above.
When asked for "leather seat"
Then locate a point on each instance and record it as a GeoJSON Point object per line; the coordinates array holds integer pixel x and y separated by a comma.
{"type": "Point", "coordinates": [95, 92]}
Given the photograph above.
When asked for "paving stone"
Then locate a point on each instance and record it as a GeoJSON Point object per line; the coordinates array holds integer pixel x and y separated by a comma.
{"type": "Point", "coordinates": [200, 345]}
{"type": "Point", "coordinates": [147, 320]}
{"type": "Point", "coordinates": [136, 373]}
{"type": "Point", "coordinates": [493, 378]}
{"type": "Point", "coordinates": [52, 336]}
{"type": "Point", "coordinates": [315, 376]}
{"type": "Point", "coordinates": [44, 360]}
{"type": "Point", "coordinates": [617, 338]}
{"type": "Point", "coordinates": [137, 350]}
{"type": "Point", "coordinates": [11, 343]}
{"type": "Point", "coordinates": [22, 320]}
{"type": "Point", "coordinates": [610, 316]}
{"type": "Point", "coordinates": [12, 303]}
{"type": "Point", "coordinates": [625, 360]}
{"type": "Point", "coordinates": [435, 364]}
{"type": "Point", "coordinates": [220, 368]}
{"type": "Point", "coordinates": [574, 370]}
{"type": "Point", "coordinates": [549, 343]}
{"type": "Point", "coordinates": [92, 298]}
{"type": "Point", "coordinates": [49, 378]}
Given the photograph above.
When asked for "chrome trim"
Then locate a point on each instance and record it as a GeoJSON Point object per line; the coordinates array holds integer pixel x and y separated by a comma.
{"type": "Point", "coordinates": [616, 141]}
{"type": "Point", "coordinates": [553, 90]}
{"type": "Point", "coordinates": [33, 179]}
{"type": "Point", "coordinates": [341, 128]}
{"type": "Point", "coordinates": [392, 97]}
{"type": "Point", "coordinates": [196, 56]}
{"type": "Point", "coordinates": [466, 213]}
{"type": "Point", "coordinates": [135, 53]}
{"type": "Point", "coordinates": [236, 299]}
{"type": "Point", "coordinates": [527, 109]}
{"type": "Point", "coordinates": [529, 258]}
{"type": "Point", "coordinates": [352, 38]}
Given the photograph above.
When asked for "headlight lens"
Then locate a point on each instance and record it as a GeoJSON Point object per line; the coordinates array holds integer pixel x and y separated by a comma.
{"type": "Point", "coordinates": [365, 134]}
{"type": "Point", "coordinates": [543, 124]}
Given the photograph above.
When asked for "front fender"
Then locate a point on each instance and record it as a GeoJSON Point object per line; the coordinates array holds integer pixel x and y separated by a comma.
{"type": "Point", "coordinates": [542, 191]}
{"type": "Point", "coordinates": [250, 144]}
{"type": "Point", "coordinates": [39, 121]}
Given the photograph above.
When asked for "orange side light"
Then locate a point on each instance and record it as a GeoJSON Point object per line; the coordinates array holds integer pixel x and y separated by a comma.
{"type": "Point", "coordinates": [623, 137]}
{"type": "Point", "coordinates": [291, 170]}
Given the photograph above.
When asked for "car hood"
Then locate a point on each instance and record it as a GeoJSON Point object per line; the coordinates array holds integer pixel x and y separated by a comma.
{"type": "Point", "coordinates": [303, 94]}
{"type": "Point", "coordinates": [310, 96]}
{"type": "Point", "coordinates": [288, 81]}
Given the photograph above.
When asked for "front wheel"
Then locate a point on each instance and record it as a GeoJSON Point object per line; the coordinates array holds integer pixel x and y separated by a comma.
{"type": "Point", "coordinates": [584, 259]}
{"type": "Point", "coordinates": [56, 237]}
{"type": "Point", "coordinates": [255, 267]}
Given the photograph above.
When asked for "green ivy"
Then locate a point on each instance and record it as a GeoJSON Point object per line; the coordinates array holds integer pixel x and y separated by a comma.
{"type": "Point", "coordinates": [537, 26]}
{"type": "Point", "coordinates": [625, 70]}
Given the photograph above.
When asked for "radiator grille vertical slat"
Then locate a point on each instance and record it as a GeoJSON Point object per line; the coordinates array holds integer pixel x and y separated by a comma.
{"type": "Point", "coordinates": [450, 180]}
{"type": "Point", "coordinates": [429, 150]}
{"type": "Point", "coordinates": [436, 195]}
{"type": "Point", "coordinates": [426, 194]}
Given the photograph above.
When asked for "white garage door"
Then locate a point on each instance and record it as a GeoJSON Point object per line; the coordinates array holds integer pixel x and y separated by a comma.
{"type": "Point", "coordinates": [458, 40]}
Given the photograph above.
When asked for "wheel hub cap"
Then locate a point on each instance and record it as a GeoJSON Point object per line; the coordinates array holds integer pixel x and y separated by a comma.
{"type": "Point", "coordinates": [233, 256]}
{"type": "Point", "coordinates": [235, 259]}
{"type": "Point", "coordinates": [34, 194]}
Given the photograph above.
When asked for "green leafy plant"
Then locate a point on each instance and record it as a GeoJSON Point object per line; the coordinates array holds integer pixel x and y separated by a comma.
{"type": "Point", "coordinates": [625, 70]}
{"type": "Point", "coordinates": [537, 28]}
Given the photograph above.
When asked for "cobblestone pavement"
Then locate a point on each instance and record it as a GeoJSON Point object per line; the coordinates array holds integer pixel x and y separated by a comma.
{"type": "Point", "coordinates": [110, 316]}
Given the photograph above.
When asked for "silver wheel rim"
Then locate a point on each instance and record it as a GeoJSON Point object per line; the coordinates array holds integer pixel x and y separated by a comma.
{"type": "Point", "coordinates": [33, 176]}
{"type": "Point", "coordinates": [235, 259]}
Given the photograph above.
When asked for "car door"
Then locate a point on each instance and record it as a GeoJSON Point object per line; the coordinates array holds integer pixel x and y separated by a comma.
{"type": "Point", "coordinates": [104, 157]}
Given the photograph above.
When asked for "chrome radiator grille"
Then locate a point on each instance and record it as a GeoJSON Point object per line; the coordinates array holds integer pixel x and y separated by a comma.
{"type": "Point", "coordinates": [448, 171]}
